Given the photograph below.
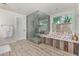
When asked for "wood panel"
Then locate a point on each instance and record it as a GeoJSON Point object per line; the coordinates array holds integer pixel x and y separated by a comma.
{"type": "Point", "coordinates": [57, 44]}
{"type": "Point", "coordinates": [70, 47]}
{"type": "Point", "coordinates": [61, 45]}
{"type": "Point", "coordinates": [43, 40]}
{"type": "Point", "coordinates": [76, 49]}
{"type": "Point", "coordinates": [66, 46]}
{"type": "Point", "coordinates": [47, 41]}
{"type": "Point", "coordinates": [54, 43]}
{"type": "Point", "coordinates": [51, 42]}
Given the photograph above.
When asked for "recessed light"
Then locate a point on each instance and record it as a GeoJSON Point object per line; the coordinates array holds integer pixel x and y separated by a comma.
{"type": "Point", "coordinates": [56, 8]}
{"type": "Point", "coordinates": [4, 3]}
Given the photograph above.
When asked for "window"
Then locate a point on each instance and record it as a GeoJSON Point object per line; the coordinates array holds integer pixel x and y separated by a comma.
{"type": "Point", "coordinates": [62, 19]}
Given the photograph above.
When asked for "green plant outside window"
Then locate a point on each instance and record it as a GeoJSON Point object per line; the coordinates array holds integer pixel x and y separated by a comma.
{"type": "Point", "coordinates": [62, 19]}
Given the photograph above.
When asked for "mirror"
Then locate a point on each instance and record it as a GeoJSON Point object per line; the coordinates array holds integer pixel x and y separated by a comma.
{"type": "Point", "coordinates": [63, 23]}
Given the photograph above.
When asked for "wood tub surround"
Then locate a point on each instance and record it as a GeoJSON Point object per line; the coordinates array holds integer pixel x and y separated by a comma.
{"type": "Point", "coordinates": [69, 46]}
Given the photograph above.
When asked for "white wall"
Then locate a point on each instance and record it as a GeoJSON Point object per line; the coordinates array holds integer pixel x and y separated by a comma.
{"type": "Point", "coordinates": [9, 18]}
{"type": "Point", "coordinates": [21, 26]}
{"type": "Point", "coordinates": [77, 17]}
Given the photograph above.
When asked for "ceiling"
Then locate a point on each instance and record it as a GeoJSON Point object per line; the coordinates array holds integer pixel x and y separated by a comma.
{"type": "Point", "coordinates": [28, 8]}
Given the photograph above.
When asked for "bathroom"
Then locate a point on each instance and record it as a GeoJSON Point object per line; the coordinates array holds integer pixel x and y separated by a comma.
{"type": "Point", "coordinates": [29, 27]}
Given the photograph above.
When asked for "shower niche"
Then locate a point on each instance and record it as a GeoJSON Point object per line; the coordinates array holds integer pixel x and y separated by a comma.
{"type": "Point", "coordinates": [37, 23]}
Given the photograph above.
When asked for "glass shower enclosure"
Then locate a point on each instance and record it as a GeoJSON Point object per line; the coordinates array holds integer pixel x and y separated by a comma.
{"type": "Point", "coordinates": [37, 23]}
